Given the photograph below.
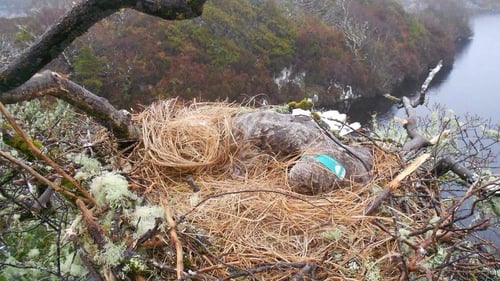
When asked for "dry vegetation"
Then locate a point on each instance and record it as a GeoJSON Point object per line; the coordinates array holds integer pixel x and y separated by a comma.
{"type": "Point", "coordinates": [192, 202]}
{"type": "Point", "coordinates": [236, 216]}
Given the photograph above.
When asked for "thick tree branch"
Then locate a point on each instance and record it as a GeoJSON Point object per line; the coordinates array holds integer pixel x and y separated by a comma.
{"type": "Point", "coordinates": [77, 21]}
{"type": "Point", "coordinates": [417, 140]}
{"type": "Point", "coordinates": [51, 83]}
{"type": "Point", "coordinates": [447, 163]}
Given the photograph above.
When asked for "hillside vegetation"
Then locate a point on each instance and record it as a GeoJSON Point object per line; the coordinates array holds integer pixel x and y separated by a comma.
{"type": "Point", "coordinates": [284, 49]}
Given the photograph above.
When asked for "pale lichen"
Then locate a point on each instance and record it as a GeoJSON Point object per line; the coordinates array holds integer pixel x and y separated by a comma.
{"type": "Point", "coordinates": [33, 253]}
{"type": "Point", "coordinates": [111, 189]}
{"type": "Point", "coordinates": [335, 234]}
{"type": "Point", "coordinates": [73, 265]}
{"type": "Point", "coordinates": [111, 255]}
{"type": "Point", "coordinates": [372, 271]}
{"type": "Point", "coordinates": [144, 217]}
{"type": "Point", "coordinates": [89, 165]}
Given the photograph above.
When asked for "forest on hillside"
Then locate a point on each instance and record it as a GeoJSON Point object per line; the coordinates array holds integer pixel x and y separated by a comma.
{"type": "Point", "coordinates": [282, 50]}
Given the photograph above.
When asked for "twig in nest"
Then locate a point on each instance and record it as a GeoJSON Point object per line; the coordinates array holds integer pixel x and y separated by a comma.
{"type": "Point", "coordinates": [212, 196]}
{"type": "Point", "coordinates": [95, 230]}
{"type": "Point", "coordinates": [38, 176]}
{"type": "Point", "coordinates": [146, 236]}
{"type": "Point", "coordinates": [192, 183]}
{"type": "Point", "coordinates": [38, 153]}
{"type": "Point", "coordinates": [307, 269]}
{"type": "Point", "coordinates": [159, 265]}
{"type": "Point", "coordinates": [266, 267]}
{"type": "Point", "coordinates": [115, 225]}
{"type": "Point", "coordinates": [395, 183]}
{"type": "Point", "coordinates": [176, 241]}
{"type": "Point", "coordinates": [395, 219]}
{"type": "Point", "coordinates": [86, 261]}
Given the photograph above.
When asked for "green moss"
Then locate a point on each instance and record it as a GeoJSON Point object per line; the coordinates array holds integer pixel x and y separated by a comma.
{"type": "Point", "coordinates": [14, 140]}
{"type": "Point", "coordinates": [135, 265]}
{"type": "Point", "coordinates": [315, 116]}
{"type": "Point", "coordinates": [305, 104]}
{"type": "Point", "coordinates": [495, 205]}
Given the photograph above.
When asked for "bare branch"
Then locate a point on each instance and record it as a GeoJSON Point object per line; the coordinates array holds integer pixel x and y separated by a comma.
{"type": "Point", "coordinates": [417, 140]}
{"type": "Point", "coordinates": [41, 178]}
{"type": "Point", "coordinates": [54, 84]}
{"type": "Point", "coordinates": [423, 89]}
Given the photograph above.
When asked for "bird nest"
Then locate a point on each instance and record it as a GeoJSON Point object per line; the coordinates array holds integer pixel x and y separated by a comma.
{"type": "Point", "coordinates": [236, 216]}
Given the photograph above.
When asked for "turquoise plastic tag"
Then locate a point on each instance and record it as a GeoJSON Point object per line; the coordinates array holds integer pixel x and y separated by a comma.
{"type": "Point", "coordinates": [337, 169]}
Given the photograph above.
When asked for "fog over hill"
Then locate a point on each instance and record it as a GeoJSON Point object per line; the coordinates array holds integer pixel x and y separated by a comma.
{"type": "Point", "coordinates": [11, 9]}
{"type": "Point", "coordinates": [474, 6]}
{"type": "Point", "coordinates": [23, 8]}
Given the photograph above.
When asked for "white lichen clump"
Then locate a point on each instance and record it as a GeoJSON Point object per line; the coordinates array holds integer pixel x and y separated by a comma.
{"type": "Point", "coordinates": [372, 271]}
{"type": "Point", "coordinates": [111, 255]}
{"type": "Point", "coordinates": [89, 165]}
{"type": "Point", "coordinates": [111, 188]}
{"type": "Point", "coordinates": [33, 253]}
{"type": "Point", "coordinates": [73, 265]}
{"type": "Point", "coordinates": [144, 218]}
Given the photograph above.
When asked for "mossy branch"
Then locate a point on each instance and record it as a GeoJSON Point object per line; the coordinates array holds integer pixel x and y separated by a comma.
{"type": "Point", "coordinates": [35, 150]}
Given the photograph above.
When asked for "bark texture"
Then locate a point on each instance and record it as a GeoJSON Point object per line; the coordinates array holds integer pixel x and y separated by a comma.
{"type": "Point", "coordinates": [417, 141]}
{"type": "Point", "coordinates": [286, 135]}
{"type": "Point", "coordinates": [53, 84]}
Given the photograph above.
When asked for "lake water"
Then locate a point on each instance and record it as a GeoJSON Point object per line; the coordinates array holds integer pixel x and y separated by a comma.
{"type": "Point", "coordinates": [471, 87]}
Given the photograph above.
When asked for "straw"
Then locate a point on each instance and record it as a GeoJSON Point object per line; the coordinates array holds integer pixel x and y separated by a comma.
{"type": "Point", "coordinates": [245, 216]}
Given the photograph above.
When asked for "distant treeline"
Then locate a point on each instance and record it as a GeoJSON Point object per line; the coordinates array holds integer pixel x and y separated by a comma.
{"type": "Point", "coordinates": [239, 49]}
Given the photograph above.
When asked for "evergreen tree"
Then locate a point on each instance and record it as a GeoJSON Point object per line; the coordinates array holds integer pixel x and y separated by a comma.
{"type": "Point", "coordinates": [89, 68]}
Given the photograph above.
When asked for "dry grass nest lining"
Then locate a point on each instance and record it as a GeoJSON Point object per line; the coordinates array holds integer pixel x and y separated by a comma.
{"type": "Point", "coordinates": [245, 214]}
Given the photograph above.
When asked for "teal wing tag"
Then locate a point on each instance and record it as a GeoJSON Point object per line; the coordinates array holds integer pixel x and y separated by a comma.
{"type": "Point", "coordinates": [333, 165]}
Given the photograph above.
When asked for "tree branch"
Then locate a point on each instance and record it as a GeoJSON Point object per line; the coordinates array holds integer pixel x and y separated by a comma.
{"type": "Point", "coordinates": [76, 22]}
{"type": "Point", "coordinates": [53, 84]}
{"type": "Point", "coordinates": [416, 141]}
{"type": "Point", "coordinates": [448, 163]}
{"type": "Point", "coordinates": [423, 89]}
